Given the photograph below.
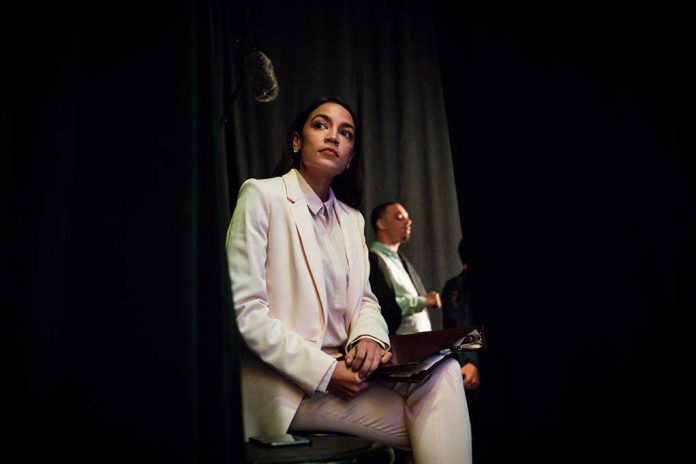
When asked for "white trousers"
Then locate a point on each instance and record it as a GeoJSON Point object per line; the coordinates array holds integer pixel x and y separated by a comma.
{"type": "Point", "coordinates": [430, 418]}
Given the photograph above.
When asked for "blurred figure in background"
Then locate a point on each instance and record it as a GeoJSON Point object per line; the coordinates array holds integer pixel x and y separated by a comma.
{"type": "Point", "coordinates": [399, 290]}
{"type": "Point", "coordinates": [457, 312]}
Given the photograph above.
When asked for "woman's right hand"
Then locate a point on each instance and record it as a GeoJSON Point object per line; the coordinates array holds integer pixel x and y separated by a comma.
{"type": "Point", "coordinates": [345, 383]}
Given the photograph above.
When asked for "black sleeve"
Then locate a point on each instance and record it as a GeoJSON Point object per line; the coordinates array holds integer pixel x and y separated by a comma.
{"type": "Point", "coordinates": [455, 314]}
{"type": "Point", "coordinates": [385, 295]}
{"type": "Point", "coordinates": [449, 309]}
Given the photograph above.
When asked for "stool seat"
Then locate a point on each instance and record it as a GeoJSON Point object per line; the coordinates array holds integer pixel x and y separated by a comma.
{"type": "Point", "coordinates": [323, 449]}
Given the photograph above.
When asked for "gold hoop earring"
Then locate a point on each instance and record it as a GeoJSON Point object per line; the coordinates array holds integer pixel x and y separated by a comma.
{"type": "Point", "coordinates": [295, 149]}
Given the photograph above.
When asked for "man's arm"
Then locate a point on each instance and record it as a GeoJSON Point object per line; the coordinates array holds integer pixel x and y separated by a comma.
{"type": "Point", "coordinates": [456, 313]}
{"type": "Point", "coordinates": [449, 306]}
{"type": "Point", "coordinates": [411, 305]}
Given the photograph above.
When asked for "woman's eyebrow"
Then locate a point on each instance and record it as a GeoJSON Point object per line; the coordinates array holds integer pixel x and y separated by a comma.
{"type": "Point", "coordinates": [327, 117]}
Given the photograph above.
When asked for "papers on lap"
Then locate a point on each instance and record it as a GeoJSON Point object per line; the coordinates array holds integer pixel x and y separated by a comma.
{"type": "Point", "coordinates": [415, 356]}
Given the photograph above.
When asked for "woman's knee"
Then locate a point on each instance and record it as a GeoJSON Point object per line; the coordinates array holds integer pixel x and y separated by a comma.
{"type": "Point", "coordinates": [451, 368]}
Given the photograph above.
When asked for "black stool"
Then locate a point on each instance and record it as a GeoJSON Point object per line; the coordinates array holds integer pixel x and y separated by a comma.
{"type": "Point", "coordinates": [325, 448]}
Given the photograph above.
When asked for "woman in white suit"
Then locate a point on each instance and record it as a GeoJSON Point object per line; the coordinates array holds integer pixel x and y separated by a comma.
{"type": "Point", "coordinates": [299, 271]}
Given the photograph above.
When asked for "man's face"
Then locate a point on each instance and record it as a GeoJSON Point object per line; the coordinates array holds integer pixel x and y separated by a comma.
{"type": "Point", "coordinates": [396, 224]}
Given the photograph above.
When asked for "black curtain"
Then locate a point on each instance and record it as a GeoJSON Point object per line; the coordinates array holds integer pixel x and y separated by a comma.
{"type": "Point", "coordinates": [569, 132]}
{"type": "Point", "coordinates": [571, 137]}
{"type": "Point", "coordinates": [117, 318]}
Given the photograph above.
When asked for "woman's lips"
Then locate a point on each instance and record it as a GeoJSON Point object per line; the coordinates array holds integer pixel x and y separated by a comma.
{"type": "Point", "coordinates": [329, 150]}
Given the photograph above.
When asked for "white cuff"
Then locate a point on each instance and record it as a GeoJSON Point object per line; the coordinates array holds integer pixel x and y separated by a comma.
{"type": "Point", "coordinates": [324, 384]}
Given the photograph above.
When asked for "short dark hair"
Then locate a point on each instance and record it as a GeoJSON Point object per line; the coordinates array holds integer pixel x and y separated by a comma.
{"type": "Point", "coordinates": [377, 213]}
{"type": "Point", "coordinates": [349, 186]}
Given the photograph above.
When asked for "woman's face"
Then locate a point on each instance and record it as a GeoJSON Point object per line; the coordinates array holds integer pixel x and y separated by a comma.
{"type": "Point", "coordinates": [327, 140]}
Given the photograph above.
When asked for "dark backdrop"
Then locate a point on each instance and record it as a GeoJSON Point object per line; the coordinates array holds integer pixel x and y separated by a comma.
{"type": "Point", "coordinates": [569, 128]}
{"type": "Point", "coordinates": [571, 132]}
{"type": "Point", "coordinates": [117, 322]}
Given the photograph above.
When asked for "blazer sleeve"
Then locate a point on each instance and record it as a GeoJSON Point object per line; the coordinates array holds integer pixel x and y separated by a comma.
{"type": "Point", "coordinates": [269, 338]}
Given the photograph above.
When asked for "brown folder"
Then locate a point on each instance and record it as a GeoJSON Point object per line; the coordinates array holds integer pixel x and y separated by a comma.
{"type": "Point", "coordinates": [416, 355]}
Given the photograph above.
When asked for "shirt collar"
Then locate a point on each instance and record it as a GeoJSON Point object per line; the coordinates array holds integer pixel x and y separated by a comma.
{"type": "Point", "coordinates": [313, 201]}
{"type": "Point", "coordinates": [382, 248]}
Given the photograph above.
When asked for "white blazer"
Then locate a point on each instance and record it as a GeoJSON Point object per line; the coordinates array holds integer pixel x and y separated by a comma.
{"type": "Point", "coordinates": [280, 297]}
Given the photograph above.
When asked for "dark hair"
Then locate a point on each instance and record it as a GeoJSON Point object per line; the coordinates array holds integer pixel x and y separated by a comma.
{"type": "Point", "coordinates": [349, 186]}
{"type": "Point", "coordinates": [377, 213]}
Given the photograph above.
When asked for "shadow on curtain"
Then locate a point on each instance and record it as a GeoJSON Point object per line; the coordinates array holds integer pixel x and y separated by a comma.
{"type": "Point", "coordinates": [117, 317]}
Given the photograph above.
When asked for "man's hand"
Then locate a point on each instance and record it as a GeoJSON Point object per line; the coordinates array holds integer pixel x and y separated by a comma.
{"type": "Point", "coordinates": [432, 300]}
{"type": "Point", "coordinates": [366, 356]}
{"type": "Point", "coordinates": [471, 376]}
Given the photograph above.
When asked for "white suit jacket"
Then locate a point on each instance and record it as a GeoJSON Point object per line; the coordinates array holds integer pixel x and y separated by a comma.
{"type": "Point", "coordinates": [280, 297]}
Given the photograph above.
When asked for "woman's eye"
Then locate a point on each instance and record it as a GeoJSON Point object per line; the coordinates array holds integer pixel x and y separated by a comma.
{"type": "Point", "coordinates": [347, 134]}
{"type": "Point", "coordinates": [320, 125]}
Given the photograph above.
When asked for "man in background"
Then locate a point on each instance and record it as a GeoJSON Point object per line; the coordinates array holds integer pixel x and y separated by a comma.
{"type": "Point", "coordinates": [393, 279]}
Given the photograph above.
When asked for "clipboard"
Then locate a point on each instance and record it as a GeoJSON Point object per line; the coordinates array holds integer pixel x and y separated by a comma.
{"type": "Point", "coordinates": [415, 356]}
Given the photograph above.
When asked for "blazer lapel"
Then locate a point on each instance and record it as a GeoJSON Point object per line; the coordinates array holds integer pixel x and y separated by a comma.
{"type": "Point", "coordinates": [353, 253]}
{"type": "Point", "coordinates": [308, 239]}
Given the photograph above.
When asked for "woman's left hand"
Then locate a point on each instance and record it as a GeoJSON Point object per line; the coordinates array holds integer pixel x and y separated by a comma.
{"type": "Point", "coordinates": [366, 356]}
